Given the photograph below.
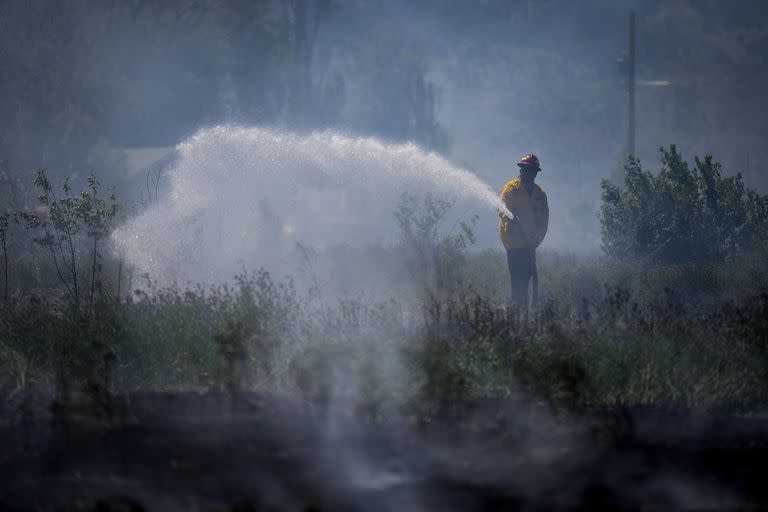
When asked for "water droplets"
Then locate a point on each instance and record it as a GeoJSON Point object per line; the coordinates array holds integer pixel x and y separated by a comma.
{"type": "Point", "coordinates": [246, 196]}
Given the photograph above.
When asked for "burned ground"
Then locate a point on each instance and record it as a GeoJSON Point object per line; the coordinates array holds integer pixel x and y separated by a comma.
{"type": "Point", "coordinates": [249, 451]}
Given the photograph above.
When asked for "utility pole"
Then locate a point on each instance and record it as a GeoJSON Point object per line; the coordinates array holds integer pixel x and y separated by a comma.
{"type": "Point", "coordinates": [631, 86]}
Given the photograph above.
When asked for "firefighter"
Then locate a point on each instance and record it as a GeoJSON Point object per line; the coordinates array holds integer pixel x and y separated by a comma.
{"type": "Point", "coordinates": [522, 234]}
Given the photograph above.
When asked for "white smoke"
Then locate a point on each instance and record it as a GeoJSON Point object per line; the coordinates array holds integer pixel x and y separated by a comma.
{"type": "Point", "coordinates": [245, 196]}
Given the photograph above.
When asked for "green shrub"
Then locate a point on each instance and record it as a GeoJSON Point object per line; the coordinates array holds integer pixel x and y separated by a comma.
{"type": "Point", "coordinates": [72, 229]}
{"type": "Point", "coordinates": [682, 215]}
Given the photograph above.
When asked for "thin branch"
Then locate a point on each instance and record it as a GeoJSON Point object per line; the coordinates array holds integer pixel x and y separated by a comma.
{"type": "Point", "coordinates": [73, 266]}
{"type": "Point", "coordinates": [5, 267]}
{"type": "Point", "coordinates": [93, 272]}
{"type": "Point", "coordinates": [58, 271]}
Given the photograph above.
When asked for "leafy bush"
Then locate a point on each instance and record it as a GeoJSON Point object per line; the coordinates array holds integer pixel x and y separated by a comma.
{"type": "Point", "coordinates": [436, 361]}
{"type": "Point", "coordinates": [64, 224]}
{"type": "Point", "coordinates": [435, 259]}
{"type": "Point", "coordinates": [225, 336]}
{"type": "Point", "coordinates": [681, 215]}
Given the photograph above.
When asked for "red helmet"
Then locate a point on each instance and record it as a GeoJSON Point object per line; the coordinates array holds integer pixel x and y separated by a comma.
{"type": "Point", "coordinates": [529, 160]}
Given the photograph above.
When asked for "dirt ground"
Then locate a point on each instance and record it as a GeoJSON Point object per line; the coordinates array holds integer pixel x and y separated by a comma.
{"type": "Point", "coordinates": [250, 452]}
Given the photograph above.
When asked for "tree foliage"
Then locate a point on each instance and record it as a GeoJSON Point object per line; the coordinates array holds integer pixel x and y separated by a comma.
{"type": "Point", "coordinates": [80, 79]}
{"type": "Point", "coordinates": [63, 224]}
{"type": "Point", "coordinates": [392, 68]}
{"type": "Point", "coordinates": [683, 214]}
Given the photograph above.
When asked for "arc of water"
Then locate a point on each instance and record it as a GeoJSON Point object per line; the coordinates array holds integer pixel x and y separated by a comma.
{"type": "Point", "coordinates": [230, 183]}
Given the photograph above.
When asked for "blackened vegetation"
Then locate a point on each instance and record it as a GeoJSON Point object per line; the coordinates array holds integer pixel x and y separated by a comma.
{"type": "Point", "coordinates": [250, 451]}
{"type": "Point", "coordinates": [256, 395]}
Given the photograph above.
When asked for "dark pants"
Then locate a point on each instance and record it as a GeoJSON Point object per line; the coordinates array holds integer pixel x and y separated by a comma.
{"type": "Point", "coordinates": [522, 266]}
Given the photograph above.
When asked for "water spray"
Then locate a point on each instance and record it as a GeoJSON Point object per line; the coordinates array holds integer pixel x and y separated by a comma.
{"type": "Point", "coordinates": [244, 196]}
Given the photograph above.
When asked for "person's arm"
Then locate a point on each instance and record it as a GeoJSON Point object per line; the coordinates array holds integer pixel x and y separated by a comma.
{"type": "Point", "coordinates": [506, 198]}
{"type": "Point", "coordinates": [542, 220]}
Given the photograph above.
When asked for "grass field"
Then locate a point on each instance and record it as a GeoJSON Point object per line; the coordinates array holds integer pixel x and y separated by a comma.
{"type": "Point", "coordinates": [604, 335]}
{"type": "Point", "coordinates": [377, 378]}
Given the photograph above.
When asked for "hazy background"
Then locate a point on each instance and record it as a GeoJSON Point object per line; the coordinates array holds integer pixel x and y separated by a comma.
{"type": "Point", "coordinates": [109, 86]}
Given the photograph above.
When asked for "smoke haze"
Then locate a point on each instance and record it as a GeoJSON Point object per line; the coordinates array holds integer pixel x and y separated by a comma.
{"type": "Point", "coordinates": [247, 196]}
{"type": "Point", "coordinates": [479, 82]}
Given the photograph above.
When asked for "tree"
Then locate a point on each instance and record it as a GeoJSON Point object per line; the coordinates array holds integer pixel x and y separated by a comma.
{"type": "Point", "coordinates": [69, 69]}
{"type": "Point", "coordinates": [390, 93]}
{"type": "Point", "coordinates": [61, 221]}
{"type": "Point", "coordinates": [12, 198]}
{"type": "Point", "coordinates": [304, 20]}
{"type": "Point", "coordinates": [682, 215]}
{"type": "Point", "coordinates": [4, 218]}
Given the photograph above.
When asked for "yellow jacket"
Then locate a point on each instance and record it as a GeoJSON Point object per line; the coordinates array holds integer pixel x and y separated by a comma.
{"type": "Point", "coordinates": [531, 214]}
